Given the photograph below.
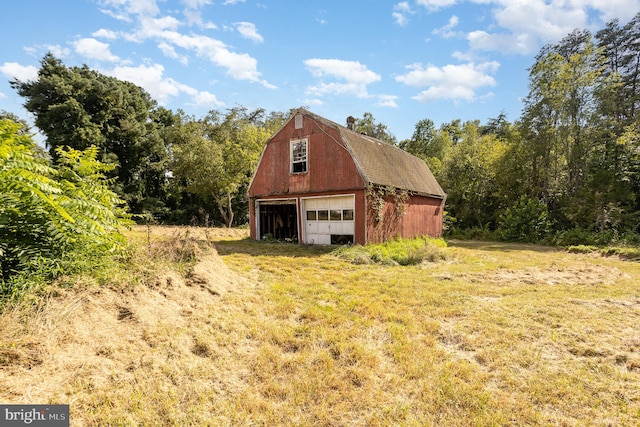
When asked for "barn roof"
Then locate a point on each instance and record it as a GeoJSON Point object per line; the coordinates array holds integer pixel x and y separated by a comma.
{"type": "Point", "coordinates": [383, 164]}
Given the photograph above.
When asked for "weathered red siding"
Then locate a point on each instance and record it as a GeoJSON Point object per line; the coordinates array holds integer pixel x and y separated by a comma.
{"type": "Point", "coordinates": [422, 216]}
{"type": "Point", "coordinates": [331, 170]}
{"type": "Point", "coordinates": [330, 166]}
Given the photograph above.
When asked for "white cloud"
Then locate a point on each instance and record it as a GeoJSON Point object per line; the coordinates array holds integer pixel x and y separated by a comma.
{"type": "Point", "coordinates": [13, 70]}
{"type": "Point", "coordinates": [227, 2]}
{"type": "Point", "coordinates": [249, 31]}
{"type": "Point", "coordinates": [387, 101]}
{"type": "Point", "coordinates": [161, 88]}
{"type": "Point", "coordinates": [356, 75]}
{"type": "Point", "coordinates": [505, 43]}
{"type": "Point", "coordinates": [105, 34]}
{"type": "Point", "coordinates": [524, 25]}
{"type": "Point", "coordinates": [154, 27]}
{"type": "Point", "coordinates": [152, 80]}
{"type": "Point", "coordinates": [94, 49]}
{"type": "Point", "coordinates": [39, 50]}
{"type": "Point", "coordinates": [548, 22]}
{"type": "Point", "coordinates": [196, 4]}
{"type": "Point", "coordinates": [194, 17]}
{"type": "Point", "coordinates": [400, 12]}
{"type": "Point", "coordinates": [122, 9]}
{"type": "Point", "coordinates": [352, 71]}
{"type": "Point", "coordinates": [313, 102]}
{"type": "Point", "coordinates": [455, 82]}
{"type": "Point", "coordinates": [239, 66]}
{"type": "Point", "coordinates": [433, 5]}
{"type": "Point", "coordinates": [170, 52]}
{"type": "Point", "coordinates": [2, 95]}
{"type": "Point", "coordinates": [609, 9]}
{"type": "Point", "coordinates": [206, 99]}
{"type": "Point", "coordinates": [446, 31]}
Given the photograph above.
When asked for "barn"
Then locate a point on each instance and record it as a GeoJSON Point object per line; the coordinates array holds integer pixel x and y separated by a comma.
{"type": "Point", "coordinates": [319, 182]}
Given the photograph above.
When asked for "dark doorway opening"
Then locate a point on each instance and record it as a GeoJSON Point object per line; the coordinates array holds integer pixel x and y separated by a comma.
{"type": "Point", "coordinates": [279, 220]}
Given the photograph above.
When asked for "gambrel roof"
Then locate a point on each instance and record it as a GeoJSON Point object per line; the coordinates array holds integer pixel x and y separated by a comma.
{"type": "Point", "coordinates": [384, 164]}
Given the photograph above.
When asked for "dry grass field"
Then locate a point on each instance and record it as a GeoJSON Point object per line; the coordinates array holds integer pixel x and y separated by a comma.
{"type": "Point", "coordinates": [205, 327]}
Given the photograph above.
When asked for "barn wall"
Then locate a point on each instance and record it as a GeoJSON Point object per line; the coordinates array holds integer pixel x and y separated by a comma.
{"type": "Point", "coordinates": [329, 166]}
{"type": "Point", "coordinates": [360, 220]}
{"type": "Point", "coordinates": [421, 216]}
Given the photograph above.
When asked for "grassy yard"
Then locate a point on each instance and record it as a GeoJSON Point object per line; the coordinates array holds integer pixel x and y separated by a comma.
{"type": "Point", "coordinates": [245, 333]}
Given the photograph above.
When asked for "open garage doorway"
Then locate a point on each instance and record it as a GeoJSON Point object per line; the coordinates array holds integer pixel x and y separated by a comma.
{"type": "Point", "coordinates": [278, 219]}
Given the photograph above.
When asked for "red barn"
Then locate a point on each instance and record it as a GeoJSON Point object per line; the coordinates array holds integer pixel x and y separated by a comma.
{"type": "Point", "coordinates": [321, 183]}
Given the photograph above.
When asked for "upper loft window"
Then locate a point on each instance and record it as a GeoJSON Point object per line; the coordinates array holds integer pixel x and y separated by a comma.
{"type": "Point", "coordinates": [299, 156]}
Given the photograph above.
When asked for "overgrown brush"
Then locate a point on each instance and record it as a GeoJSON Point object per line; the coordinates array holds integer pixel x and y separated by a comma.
{"type": "Point", "coordinates": [630, 253]}
{"type": "Point", "coordinates": [55, 218]}
{"type": "Point", "coordinates": [180, 247]}
{"type": "Point", "coordinates": [396, 252]}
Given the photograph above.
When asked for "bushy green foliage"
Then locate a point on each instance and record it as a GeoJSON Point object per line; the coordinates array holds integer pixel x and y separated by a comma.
{"type": "Point", "coordinates": [526, 221]}
{"type": "Point", "coordinates": [396, 252]}
{"type": "Point", "coordinates": [79, 107]}
{"type": "Point", "coordinates": [52, 214]}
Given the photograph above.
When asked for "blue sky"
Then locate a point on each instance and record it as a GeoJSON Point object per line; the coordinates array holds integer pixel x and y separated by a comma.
{"type": "Point", "coordinates": [402, 61]}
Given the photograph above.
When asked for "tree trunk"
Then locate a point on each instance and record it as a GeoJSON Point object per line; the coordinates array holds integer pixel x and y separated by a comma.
{"type": "Point", "coordinates": [225, 208]}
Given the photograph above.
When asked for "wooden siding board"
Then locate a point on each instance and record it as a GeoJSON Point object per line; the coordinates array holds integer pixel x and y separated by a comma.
{"type": "Point", "coordinates": [422, 217]}
{"type": "Point", "coordinates": [330, 165]}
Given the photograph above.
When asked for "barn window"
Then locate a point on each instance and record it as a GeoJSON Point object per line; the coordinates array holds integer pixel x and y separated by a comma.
{"type": "Point", "coordinates": [299, 156]}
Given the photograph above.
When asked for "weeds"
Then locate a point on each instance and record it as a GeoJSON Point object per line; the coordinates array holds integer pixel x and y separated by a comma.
{"type": "Point", "coordinates": [396, 252]}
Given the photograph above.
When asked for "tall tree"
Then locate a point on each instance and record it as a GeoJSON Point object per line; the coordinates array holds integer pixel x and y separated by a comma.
{"type": "Point", "coordinates": [367, 125]}
{"type": "Point", "coordinates": [559, 118]}
{"type": "Point", "coordinates": [471, 178]}
{"type": "Point", "coordinates": [80, 107]}
{"type": "Point", "coordinates": [216, 156]}
{"type": "Point", "coordinates": [429, 144]}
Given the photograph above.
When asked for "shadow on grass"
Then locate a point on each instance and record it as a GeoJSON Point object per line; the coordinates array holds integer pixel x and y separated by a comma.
{"type": "Point", "coordinates": [252, 247]}
{"type": "Point", "coordinates": [500, 246]}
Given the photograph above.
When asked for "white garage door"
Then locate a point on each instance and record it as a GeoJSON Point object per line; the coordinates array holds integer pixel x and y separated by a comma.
{"type": "Point", "coordinates": [329, 220]}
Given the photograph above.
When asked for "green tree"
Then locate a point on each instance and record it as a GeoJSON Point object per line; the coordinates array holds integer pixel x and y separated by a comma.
{"type": "Point", "coordinates": [526, 221]}
{"type": "Point", "coordinates": [216, 156]}
{"type": "Point", "coordinates": [429, 144]}
{"type": "Point", "coordinates": [367, 125]}
{"type": "Point", "coordinates": [80, 107]}
{"type": "Point", "coordinates": [560, 120]}
{"type": "Point", "coordinates": [471, 178]}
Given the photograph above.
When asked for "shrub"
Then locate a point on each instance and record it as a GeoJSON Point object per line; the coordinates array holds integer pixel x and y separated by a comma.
{"type": "Point", "coordinates": [396, 252]}
{"type": "Point", "coordinates": [52, 215]}
{"type": "Point", "coordinates": [526, 221]}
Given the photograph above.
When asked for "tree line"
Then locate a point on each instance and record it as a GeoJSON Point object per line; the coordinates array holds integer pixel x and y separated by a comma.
{"type": "Point", "coordinates": [569, 166]}
{"type": "Point", "coordinates": [566, 171]}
